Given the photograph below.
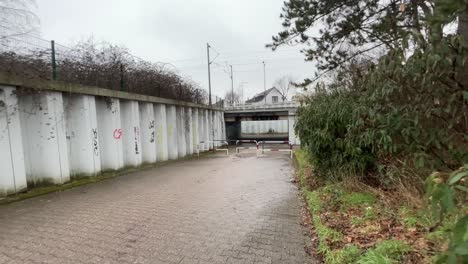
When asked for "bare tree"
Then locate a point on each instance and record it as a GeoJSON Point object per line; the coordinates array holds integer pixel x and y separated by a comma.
{"type": "Point", "coordinates": [16, 18]}
{"type": "Point", "coordinates": [284, 84]}
{"type": "Point", "coordinates": [103, 65]}
{"type": "Point", "coordinates": [232, 98]}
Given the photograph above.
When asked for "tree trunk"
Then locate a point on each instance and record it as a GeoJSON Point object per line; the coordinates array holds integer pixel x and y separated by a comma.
{"type": "Point", "coordinates": [463, 26]}
{"type": "Point", "coordinates": [463, 32]}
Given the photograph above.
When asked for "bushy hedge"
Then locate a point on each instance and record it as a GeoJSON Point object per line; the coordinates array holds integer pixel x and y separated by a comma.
{"type": "Point", "coordinates": [403, 115]}
{"type": "Point", "coordinates": [324, 125]}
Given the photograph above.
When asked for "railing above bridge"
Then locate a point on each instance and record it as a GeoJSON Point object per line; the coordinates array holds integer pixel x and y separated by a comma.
{"type": "Point", "coordinates": [250, 107]}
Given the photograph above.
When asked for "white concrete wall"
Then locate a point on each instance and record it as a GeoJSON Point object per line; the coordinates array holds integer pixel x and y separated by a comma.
{"type": "Point", "coordinates": [188, 130]}
{"type": "Point", "coordinates": [12, 170]}
{"type": "Point", "coordinates": [201, 127]}
{"type": "Point", "coordinates": [82, 135]}
{"type": "Point", "coordinates": [181, 142]}
{"type": "Point", "coordinates": [44, 138]}
{"type": "Point", "coordinates": [172, 133]}
{"type": "Point", "coordinates": [47, 137]}
{"type": "Point", "coordinates": [195, 129]}
{"type": "Point", "coordinates": [206, 130]}
{"type": "Point", "coordinates": [131, 134]}
{"type": "Point", "coordinates": [293, 138]}
{"type": "Point", "coordinates": [211, 129]}
{"type": "Point", "coordinates": [223, 123]}
{"type": "Point", "coordinates": [264, 126]}
{"type": "Point", "coordinates": [216, 129]}
{"type": "Point", "coordinates": [111, 134]}
{"type": "Point", "coordinates": [161, 132]}
{"type": "Point", "coordinates": [148, 133]}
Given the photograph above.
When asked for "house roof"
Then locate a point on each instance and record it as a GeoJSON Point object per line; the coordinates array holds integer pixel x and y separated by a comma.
{"type": "Point", "coordinates": [261, 96]}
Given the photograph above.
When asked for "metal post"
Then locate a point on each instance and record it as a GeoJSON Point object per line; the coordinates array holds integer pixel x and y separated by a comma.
{"type": "Point", "coordinates": [232, 87]}
{"type": "Point", "coordinates": [264, 79]}
{"type": "Point", "coordinates": [209, 73]}
{"type": "Point", "coordinates": [54, 63]}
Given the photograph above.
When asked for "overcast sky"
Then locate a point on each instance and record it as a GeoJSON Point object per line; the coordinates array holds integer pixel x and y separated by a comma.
{"type": "Point", "coordinates": [177, 31]}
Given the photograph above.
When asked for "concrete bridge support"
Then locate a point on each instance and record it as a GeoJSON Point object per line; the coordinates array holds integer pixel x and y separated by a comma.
{"type": "Point", "coordinates": [11, 145]}
{"type": "Point", "coordinates": [82, 135]}
{"type": "Point", "coordinates": [148, 133]}
{"type": "Point", "coordinates": [172, 133]}
{"type": "Point", "coordinates": [161, 132]}
{"type": "Point", "coordinates": [44, 138]}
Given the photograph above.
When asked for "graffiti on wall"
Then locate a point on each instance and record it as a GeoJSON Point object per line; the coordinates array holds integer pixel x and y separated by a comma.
{"type": "Point", "coordinates": [117, 134]}
{"type": "Point", "coordinates": [136, 131]}
{"type": "Point", "coordinates": [151, 127]}
{"type": "Point", "coordinates": [95, 142]}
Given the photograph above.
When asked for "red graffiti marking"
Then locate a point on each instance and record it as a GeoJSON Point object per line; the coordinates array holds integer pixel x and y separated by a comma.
{"type": "Point", "coordinates": [117, 133]}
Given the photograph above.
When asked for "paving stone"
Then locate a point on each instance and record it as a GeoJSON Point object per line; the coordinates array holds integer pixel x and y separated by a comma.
{"type": "Point", "coordinates": [211, 210]}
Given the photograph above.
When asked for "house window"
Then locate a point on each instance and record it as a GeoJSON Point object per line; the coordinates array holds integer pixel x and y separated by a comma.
{"type": "Point", "coordinates": [274, 99]}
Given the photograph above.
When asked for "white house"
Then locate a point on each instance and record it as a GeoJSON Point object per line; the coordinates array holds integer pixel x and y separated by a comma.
{"type": "Point", "coordinates": [270, 96]}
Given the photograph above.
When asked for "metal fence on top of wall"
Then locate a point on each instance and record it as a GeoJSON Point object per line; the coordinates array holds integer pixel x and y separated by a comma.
{"type": "Point", "coordinates": [97, 64]}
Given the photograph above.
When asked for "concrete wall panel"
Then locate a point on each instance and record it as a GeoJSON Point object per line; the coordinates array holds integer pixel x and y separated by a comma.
{"type": "Point", "coordinates": [172, 133]}
{"type": "Point", "coordinates": [223, 122]}
{"type": "Point", "coordinates": [201, 127]}
{"type": "Point", "coordinates": [207, 129]}
{"type": "Point", "coordinates": [131, 133]}
{"type": "Point", "coordinates": [181, 130]}
{"type": "Point", "coordinates": [211, 128]}
{"type": "Point", "coordinates": [44, 138]}
{"type": "Point", "coordinates": [161, 132]}
{"type": "Point", "coordinates": [263, 127]}
{"type": "Point", "coordinates": [195, 129]}
{"type": "Point", "coordinates": [188, 130]}
{"type": "Point", "coordinates": [110, 133]}
{"type": "Point", "coordinates": [82, 135]}
{"type": "Point", "coordinates": [13, 174]}
{"type": "Point", "coordinates": [148, 133]}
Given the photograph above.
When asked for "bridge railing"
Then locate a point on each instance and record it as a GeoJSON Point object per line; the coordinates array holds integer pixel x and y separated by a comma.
{"type": "Point", "coordinates": [289, 104]}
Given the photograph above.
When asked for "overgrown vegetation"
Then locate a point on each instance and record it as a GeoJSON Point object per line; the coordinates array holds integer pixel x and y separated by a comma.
{"type": "Point", "coordinates": [357, 223]}
{"type": "Point", "coordinates": [388, 107]}
{"type": "Point", "coordinates": [98, 64]}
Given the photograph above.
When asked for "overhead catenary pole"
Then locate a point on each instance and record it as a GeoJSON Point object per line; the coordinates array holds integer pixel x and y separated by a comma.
{"type": "Point", "coordinates": [241, 85]}
{"type": "Point", "coordinates": [209, 72]}
{"type": "Point", "coordinates": [232, 87]}
{"type": "Point", "coordinates": [264, 79]}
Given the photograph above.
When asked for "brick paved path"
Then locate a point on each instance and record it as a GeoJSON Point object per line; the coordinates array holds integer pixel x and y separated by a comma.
{"type": "Point", "coordinates": [212, 210]}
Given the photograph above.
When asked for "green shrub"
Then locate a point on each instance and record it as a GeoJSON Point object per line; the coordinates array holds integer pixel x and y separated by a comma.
{"type": "Point", "coordinates": [447, 196]}
{"type": "Point", "coordinates": [323, 127]}
{"type": "Point", "coordinates": [403, 110]}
